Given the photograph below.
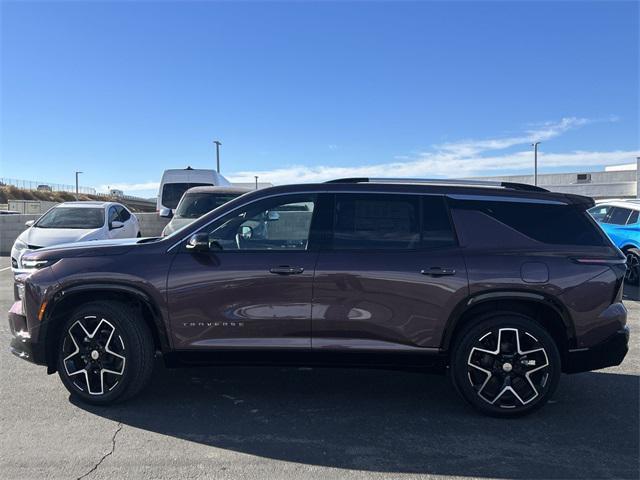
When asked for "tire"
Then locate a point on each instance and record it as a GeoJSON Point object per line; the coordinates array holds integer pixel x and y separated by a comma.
{"type": "Point", "coordinates": [632, 277]}
{"type": "Point", "coordinates": [508, 381]}
{"type": "Point", "coordinates": [105, 353]}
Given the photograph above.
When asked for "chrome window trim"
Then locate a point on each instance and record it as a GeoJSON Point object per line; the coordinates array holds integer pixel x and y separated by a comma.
{"type": "Point", "coordinates": [499, 198]}
{"type": "Point", "coordinates": [486, 198]}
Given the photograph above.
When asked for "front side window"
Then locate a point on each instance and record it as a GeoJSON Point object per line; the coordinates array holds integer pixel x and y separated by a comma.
{"type": "Point", "coordinates": [113, 215]}
{"type": "Point", "coordinates": [67, 217]}
{"type": "Point", "coordinates": [633, 218]}
{"type": "Point", "coordinates": [600, 212]}
{"type": "Point", "coordinates": [194, 205]}
{"type": "Point", "coordinates": [123, 213]}
{"type": "Point", "coordinates": [279, 223]}
{"type": "Point", "coordinates": [374, 221]}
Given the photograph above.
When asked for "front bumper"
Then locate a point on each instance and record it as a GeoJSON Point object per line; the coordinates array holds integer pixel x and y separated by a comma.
{"type": "Point", "coordinates": [608, 353]}
{"type": "Point", "coordinates": [21, 343]}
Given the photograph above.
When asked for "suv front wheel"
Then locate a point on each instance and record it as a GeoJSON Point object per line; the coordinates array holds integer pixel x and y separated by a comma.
{"type": "Point", "coordinates": [105, 353]}
{"type": "Point", "coordinates": [505, 366]}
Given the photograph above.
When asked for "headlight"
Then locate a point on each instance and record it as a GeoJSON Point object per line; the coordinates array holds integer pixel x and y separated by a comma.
{"type": "Point", "coordinates": [28, 263]}
{"type": "Point", "coordinates": [19, 245]}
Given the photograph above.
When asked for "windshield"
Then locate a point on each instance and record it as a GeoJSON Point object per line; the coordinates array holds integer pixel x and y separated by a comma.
{"type": "Point", "coordinates": [194, 205]}
{"type": "Point", "coordinates": [172, 192]}
{"type": "Point", "coordinates": [69, 217]}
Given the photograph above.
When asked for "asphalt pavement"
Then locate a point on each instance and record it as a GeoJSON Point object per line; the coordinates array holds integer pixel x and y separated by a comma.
{"type": "Point", "coordinates": [261, 423]}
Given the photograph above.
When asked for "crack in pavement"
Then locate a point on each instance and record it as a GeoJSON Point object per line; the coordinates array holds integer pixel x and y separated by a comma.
{"type": "Point", "coordinates": [113, 449]}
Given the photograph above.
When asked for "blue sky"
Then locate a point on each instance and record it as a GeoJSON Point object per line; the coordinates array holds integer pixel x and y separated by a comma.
{"type": "Point", "coordinates": [309, 91]}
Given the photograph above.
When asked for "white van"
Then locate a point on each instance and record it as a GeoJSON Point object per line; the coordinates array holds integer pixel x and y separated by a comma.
{"type": "Point", "coordinates": [177, 181]}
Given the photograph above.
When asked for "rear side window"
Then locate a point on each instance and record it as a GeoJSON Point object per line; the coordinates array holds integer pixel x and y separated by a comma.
{"type": "Point", "coordinates": [546, 223]}
{"type": "Point", "coordinates": [374, 221]}
{"type": "Point", "coordinates": [618, 216]}
{"type": "Point", "coordinates": [436, 224]}
{"type": "Point", "coordinates": [633, 218]}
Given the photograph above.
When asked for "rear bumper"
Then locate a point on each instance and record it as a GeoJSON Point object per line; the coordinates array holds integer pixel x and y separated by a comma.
{"type": "Point", "coordinates": [608, 353]}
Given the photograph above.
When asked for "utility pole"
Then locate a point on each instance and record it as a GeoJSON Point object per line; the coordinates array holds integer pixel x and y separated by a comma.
{"type": "Point", "coordinates": [77, 173]}
{"type": "Point", "coordinates": [535, 162]}
{"type": "Point", "coordinates": [217, 143]}
{"type": "Point", "coordinates": [638, 177]}
{"type": "Point", "coordinates": [256, 181]}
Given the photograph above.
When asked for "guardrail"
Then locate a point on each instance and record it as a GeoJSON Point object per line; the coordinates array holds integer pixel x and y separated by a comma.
{"type": "Point", "coordinates": [55, 187]}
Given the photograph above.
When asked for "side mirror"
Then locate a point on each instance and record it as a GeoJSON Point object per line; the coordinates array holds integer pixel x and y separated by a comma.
{"type": "Point", "coordinates": [29, 223]}
{"type": "Point", "coordinates": [166, 212]}
{"type": "Point", "coordinates": [246, 232]}
{"type": "Point", "coordinates": [115, 224]}
{"type": "Point", "coordinates": [198, 242]}
{"type": "Point", "coordinates": [272, 216]}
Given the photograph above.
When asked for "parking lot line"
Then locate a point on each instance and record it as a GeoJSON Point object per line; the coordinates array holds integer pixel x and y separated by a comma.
{"type": "Point", "coordinates": [5, 268]}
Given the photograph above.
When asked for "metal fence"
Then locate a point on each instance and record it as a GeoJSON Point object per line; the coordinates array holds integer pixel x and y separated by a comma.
{"type": "Point", "coordinates": [46, 186]}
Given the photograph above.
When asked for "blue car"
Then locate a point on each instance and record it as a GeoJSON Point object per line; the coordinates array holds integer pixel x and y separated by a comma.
{"type": "Point", "coordinates": [620, 220]}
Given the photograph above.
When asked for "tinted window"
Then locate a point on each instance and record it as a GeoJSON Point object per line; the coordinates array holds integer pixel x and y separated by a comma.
{"type": "Point", "coordinates": [436, 225]}
{"type": "Point", "coordinates": [633, 219]}
{"type": "Point", "coordinates": [123, 213]}
{"type": "Point", "coordinates": [555, 224]}
{"type": "Point", "coordinates": [194, 205]}
{"type": "Point", "coordinates": [280, 223]}
{"type": "Point", "coordinates": [600, 212]}
{"type": "Point", "coordinates": [618, 216]}
{"type": "Point", "coordinates": [372, 221]}
{"type": "Point", "coordinates": [172, 192]}
{"type": "Point", "coordinates": [113, 215]}
{"type": "Point", "coordinates": [68, 217]}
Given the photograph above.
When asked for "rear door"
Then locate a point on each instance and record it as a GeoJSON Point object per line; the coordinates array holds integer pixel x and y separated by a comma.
{"type": "Point", "coordinates": [390, 276]}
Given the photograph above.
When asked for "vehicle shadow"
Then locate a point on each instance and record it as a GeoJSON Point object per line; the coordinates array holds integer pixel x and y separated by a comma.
{"type": "Point", "coordinates": [386, 421]}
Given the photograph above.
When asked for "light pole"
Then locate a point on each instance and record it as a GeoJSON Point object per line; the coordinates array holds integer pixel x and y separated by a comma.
{"type": "Point", "coordinates": [217, 143]}
{"type": "Point", "coordinates": [535, 162]}
{"type": "Point", "coordinates": [77, 173]}
{"type": "Point", "coordinates": [256, 176]}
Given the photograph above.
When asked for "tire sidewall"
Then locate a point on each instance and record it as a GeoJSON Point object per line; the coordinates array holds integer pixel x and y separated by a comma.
{"type": "Point", "coordinates": [636, 253]}
{"type": "Point", "coordinates": [470, 336]}
{"type": "Point", "coordinates": [124, 329]}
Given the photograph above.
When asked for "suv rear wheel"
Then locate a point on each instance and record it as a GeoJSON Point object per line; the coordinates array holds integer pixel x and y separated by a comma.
{"type": "Point", "coordinates": [505, 366]}
{"type": "Point", "coordinates": [105, 353]}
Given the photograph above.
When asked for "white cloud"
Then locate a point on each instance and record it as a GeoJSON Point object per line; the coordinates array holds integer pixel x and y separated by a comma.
{"type": "Point", "coordinates": [464, 158]}
{"type": "Point", "coordinates": [430, 165]}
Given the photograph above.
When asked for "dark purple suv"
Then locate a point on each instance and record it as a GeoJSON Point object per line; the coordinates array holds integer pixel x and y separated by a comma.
{"type": "Point", "coordinates": [502, 285]}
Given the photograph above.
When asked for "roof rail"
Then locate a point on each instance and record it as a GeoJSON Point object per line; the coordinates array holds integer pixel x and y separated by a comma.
{"type": "Point", "coordinates": [443, 181]}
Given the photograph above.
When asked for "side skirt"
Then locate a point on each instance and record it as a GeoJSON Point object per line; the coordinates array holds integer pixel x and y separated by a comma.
{"type": "Point", "coordinates": [427, 362]}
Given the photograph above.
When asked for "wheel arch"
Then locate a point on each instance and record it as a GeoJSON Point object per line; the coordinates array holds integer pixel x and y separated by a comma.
{"type": "Point", "coordinates": [65, 301]}
{"type": "Point", "coordinates": [541, 308]}
{"type": "Point", "coordinates": [629, 246]}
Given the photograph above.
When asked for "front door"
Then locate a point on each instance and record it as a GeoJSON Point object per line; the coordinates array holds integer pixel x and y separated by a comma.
{"type": "Point", "coordinates": [391, 276]}
{"type": "Point", "coordinates": [253, 288]}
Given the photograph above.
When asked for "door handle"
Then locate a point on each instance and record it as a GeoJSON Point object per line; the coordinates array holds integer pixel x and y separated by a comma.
{"type": "Point", "coordinates": [286, 270]}
{"type": "Point", "coordinates": [438, 271]}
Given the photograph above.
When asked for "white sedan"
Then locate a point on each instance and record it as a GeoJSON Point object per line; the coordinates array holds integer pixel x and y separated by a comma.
{"type": "Point", "coordinates": [74, 222]}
